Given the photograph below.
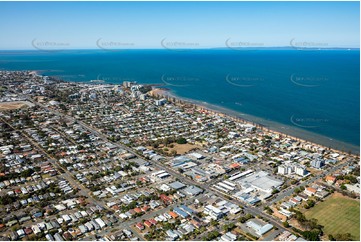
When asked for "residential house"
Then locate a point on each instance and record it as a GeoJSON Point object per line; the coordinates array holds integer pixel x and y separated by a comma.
{"type": "Point", "coordinates": [330, 179]}
{"type": "Point", "coordinates": [310, 191]}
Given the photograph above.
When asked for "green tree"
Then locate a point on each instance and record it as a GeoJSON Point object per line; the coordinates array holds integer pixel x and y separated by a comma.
{"type": "Point", "coordinates": [343, 237]}
{"type": "Point", "coordinates": [214, 222]}
{"type": "Point", "coordinates": [181, 141]}
{"type": "Point", "coordinates": [286, 224]}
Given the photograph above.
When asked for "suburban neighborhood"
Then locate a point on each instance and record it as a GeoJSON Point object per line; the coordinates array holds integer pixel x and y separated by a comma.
{"type": "Point", "coordinates": [90, 161]}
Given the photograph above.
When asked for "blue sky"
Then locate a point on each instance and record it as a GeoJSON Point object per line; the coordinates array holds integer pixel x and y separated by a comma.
{"type": "Point", "coordinates": [179, 24]}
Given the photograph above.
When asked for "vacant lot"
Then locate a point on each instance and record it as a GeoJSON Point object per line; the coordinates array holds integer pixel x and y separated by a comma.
{"type": "Point", "coordinates": [183, 148]}
{"type": "Point", "coordinates": [14, 105]}
{"type": "Point", "coordinates": [339, 215]}
{"type": "Point", "coordinates": [314, 171]}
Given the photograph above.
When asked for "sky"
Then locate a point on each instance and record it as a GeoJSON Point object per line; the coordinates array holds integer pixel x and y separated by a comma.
{"type": "Point", "coordinates": [92, 25]}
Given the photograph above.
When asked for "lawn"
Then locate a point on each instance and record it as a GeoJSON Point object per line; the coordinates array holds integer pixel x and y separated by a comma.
{"type": "Point", "coordinates": [338, 214]}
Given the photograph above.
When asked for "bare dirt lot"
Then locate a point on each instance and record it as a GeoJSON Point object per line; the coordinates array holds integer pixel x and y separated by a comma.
{"type": "Point", "coordinates": [314, 171]}
{"type": "Point", "coordinates": [279, 215]}
{"type": "Point", "coordinates": [183, 148]}
{"type": "Point", "coordinates": [14, 105]}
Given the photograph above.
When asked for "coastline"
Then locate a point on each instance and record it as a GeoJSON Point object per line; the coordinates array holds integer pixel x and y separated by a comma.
{"type": "Point", "coordinates": [266, 125]}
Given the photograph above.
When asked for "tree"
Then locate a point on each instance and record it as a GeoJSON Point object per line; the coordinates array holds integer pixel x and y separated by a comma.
{"type": "Point", "coordinates": [268, 210]}
{"type": "Point", "coordinates": [297, 190]}
{"type": "Point", "coordinates": [181, 141]}
{"type": "Point", "coordinates": [229, 227]}
{"type": "Point", "coordinates": [299, 216]}
{"type": "Point", "coordinates": [7, 199]}
{"type": "Point", "coordinates": [167, 226]}
{"type": "Point", "coordinates": [286, 224]}
{"type": "Point", "coordinates": [274, 191]}
{"type": "Point", "coordinates": [312, 235]}
{"type": "Point", "coordinates": [343, 237]}
{"type": "Point", "coordinates": [245, 218]}
{"type": "Point", "coordinates": [211, 236]}
{"type": "Point", "coordinates": [27, 173]}
{"type": "Point", "coordinates": [214, 222]}
{"type": "Point", "coordinates": [331, 238]}
{"type": "Point", "coordinates": [309, 204]}
{"type": "Point", "coordinates": [249, 216]}
{"type": "Point", "coordinates": [242, 220]}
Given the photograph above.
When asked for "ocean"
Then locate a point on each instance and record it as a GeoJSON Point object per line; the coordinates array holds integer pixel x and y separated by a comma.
{"type": "Point", "coordinates": [311, 94]}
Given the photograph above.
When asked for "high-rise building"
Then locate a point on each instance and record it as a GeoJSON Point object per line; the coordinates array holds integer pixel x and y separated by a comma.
{"type": "Point", "coordinates": [282, 170]}
{"type": "Point", "coordinates": [318, 163]}
{"type": "Point", "coordinates": [300, 170]}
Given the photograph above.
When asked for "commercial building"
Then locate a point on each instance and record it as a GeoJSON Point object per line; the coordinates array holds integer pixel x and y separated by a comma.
{"type": "Point", "coordinates": [177, 185]}
{"type": "Point", "coordinates": [261, 181]}
{"type": "Point", "coordinates": [214, 212]}
{"type": "Point", "coordinates": [258, 228]}
{"type": "Point", "coordinates": [318, 163]}
{"type": "Point", "coordinates": [193, 190]}
{"type": "Point", "coordinates": [160, 102]}
{"type": "Point", "coordinates": [292, 168]}
{"type": "Point", "coordinates": [301, 171]}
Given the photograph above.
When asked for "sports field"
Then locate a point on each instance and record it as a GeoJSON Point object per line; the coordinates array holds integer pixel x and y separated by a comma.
{"type": "Point", "coordinates": [338, 214]}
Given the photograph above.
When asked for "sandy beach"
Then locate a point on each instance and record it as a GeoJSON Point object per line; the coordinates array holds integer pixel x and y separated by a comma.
{"type": "Point", "coordinates": [270, 126]}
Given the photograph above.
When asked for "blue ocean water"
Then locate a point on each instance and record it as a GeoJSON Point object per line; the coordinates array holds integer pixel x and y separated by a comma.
{"type": "Point", "coordinates": [315, 91]}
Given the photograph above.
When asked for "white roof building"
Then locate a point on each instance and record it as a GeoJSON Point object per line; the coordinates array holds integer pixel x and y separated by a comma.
{"type": "Point", "coordinates": [100, 222]}
{"type": "Point", "coordinates": [258, 228]}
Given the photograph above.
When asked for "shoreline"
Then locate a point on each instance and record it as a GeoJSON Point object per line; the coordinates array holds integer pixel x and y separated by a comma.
{"type": "Point", "coordinates": [266, 125]}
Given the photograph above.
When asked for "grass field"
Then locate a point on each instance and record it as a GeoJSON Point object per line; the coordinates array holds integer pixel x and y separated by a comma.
{"type": "Point", "coordinates": [338, 214]}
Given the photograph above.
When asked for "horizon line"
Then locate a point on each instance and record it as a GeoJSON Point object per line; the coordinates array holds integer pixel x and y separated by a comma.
{"type": "Point", "coordinates": [205, 48]}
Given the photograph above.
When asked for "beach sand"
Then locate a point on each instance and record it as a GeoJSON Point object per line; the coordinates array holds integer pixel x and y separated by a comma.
{"type": "Point", "coordinates": [270, 126]}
